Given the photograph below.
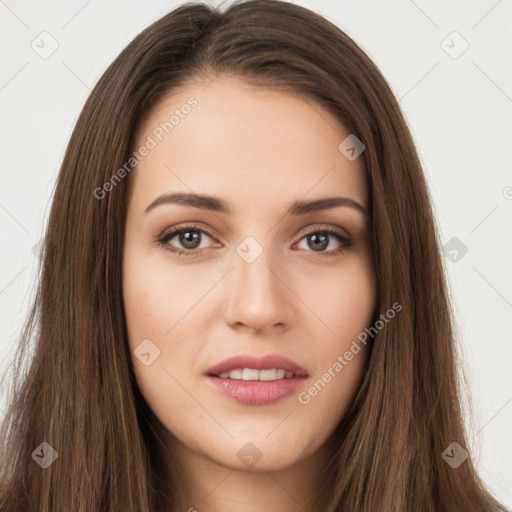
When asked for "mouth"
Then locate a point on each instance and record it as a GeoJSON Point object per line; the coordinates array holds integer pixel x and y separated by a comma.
{"type": "Point", "coordinates": [247, 367]}
{"type": "Point", "coordinates": [257, 381]}
{"type": "Point", "coordinates": [253, 374]}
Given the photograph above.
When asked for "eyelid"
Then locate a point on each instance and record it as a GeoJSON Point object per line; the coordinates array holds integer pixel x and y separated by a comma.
{"type": "Point", "coordinates": [324, 227]}
{"type": "Point", "coordinates": [196, 226]}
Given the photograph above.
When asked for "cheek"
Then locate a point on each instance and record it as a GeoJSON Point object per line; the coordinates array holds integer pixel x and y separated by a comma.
{"type": "Point", "coordinates": [344, 300]}
{"type": "Point", "coordinates": [153, 310]}
{"type": "Point", "coordinates": [345, 303]}
{"type": "Point", "coordinates": [352, 304]}
{"type": "Point", "coordinates": [158, 302]}
{"type": "Point", "coordinates": [156, 295]}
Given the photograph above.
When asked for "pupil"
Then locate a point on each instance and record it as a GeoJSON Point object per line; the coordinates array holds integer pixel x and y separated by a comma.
{"type": "Point", "coordinates": [190, 239]}
{"type": "Point", "coordinates": [323, 243]}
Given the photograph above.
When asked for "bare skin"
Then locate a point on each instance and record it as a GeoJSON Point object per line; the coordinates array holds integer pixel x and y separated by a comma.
{"type": "Point", "coordinates": [259, 150]}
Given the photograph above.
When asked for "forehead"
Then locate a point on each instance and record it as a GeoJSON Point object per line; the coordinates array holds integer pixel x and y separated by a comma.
{"type": "Point", "coordinates": [227, 137]}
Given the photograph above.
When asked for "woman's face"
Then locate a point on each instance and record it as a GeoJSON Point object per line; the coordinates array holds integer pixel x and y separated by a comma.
{"type": "Point", "coordinates": [259, 281]}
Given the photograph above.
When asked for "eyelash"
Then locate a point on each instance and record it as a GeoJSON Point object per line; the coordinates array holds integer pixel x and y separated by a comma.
{"type": "Point", "coordinates": [164, 238]}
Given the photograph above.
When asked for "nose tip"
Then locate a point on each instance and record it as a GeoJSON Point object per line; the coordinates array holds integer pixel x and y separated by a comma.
{"type": "Point", "coordinates": [257, 298]}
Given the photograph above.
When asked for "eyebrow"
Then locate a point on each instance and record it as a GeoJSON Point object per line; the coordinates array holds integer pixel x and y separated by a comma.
{"type": "Point", "coordinates": [216, 204]}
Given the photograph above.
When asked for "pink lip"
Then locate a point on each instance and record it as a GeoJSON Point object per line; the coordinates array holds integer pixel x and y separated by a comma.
{"type": "Point", "coordinates": [258, 363]}
{"type": "Point", "coordinates": [257, 392]}
{"type": "Point", "coordinates": [253, 392]}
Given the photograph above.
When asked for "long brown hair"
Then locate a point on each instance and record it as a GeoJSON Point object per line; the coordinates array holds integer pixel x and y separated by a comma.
{"type": "Point", "coordinates": [77, 391]}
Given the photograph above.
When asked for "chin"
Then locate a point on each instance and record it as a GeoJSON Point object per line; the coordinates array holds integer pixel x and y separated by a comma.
{"type": "Point", "coordinates": [257, 456]}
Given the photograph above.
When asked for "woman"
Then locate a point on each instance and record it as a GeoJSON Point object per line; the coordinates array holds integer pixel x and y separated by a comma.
{"type": "Point", "coordinates": [242, 304]}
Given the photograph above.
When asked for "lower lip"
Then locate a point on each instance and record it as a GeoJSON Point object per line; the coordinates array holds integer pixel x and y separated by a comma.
{"type": "Point", "coordinates": [255, 392]}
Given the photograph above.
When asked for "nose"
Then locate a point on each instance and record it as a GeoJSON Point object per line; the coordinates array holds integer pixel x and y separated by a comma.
{"type": "Point", "coordinates": [257, 296]}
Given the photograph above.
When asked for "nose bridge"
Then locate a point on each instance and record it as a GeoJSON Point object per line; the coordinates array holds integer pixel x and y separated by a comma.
{"type": "Point", "coordinates": [256, 297]}
{"type": "Point", "coordinates": [252, 263]}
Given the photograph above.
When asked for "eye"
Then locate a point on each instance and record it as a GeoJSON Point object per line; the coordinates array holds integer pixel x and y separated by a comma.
{"type": "Point", "coordinates": [188, 238]}
{"type": "Point", "coordinates": [320, 240]}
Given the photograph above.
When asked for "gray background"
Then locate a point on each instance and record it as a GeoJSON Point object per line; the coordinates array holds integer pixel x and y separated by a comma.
{"type": "Point", "coordinates": [459, 108]}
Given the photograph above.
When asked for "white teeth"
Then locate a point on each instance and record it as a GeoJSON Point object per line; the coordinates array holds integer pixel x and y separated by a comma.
{"type": "Point", "coordinates": [268, 374]}
{"type": "Point", "coordinates": [235, 374]}
{"type": "Point", "coordinates": [251, 374]}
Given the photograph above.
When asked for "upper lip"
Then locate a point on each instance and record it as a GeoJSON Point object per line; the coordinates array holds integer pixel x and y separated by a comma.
{"type": "Point", "coordinates": [258, 363]}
